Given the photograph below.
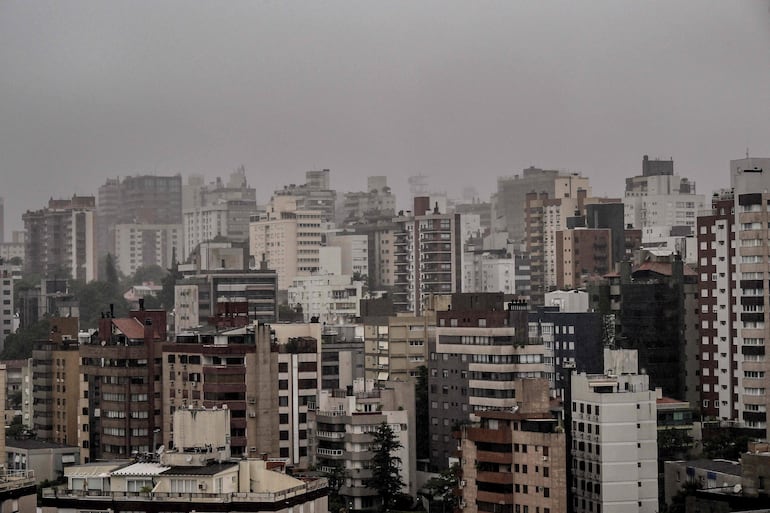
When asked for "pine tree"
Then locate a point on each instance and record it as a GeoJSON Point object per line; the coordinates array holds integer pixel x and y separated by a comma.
{"type": "Point", "coordinates": [386, 467]}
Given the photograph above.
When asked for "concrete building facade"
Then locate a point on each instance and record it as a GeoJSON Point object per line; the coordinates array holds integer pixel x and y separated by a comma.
{"type": "Point", "coordinates": [139, 245]}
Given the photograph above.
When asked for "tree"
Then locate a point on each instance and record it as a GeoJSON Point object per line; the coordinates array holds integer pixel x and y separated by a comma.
{"type": "Point", "coordinates": [148, 273]}
{"type": "Point", "coordinates": [422, 413]}
{"type": "Point", "coordinates": [386, 467]}
{"type": "Point", "coordinates": [166, 295]}
{"type": "Point", "coordinates": [95, 298]}
{"type": "Point", "coordinates": [111, 272]}
{"type": "Point", "coordinates": [18, 346]}
{"type": "Point", "coordinates": [673, 444]}
{"type": "Point", "coordinates": [336, 478]}
{"type": "Point", "coordinates": [443, 488]}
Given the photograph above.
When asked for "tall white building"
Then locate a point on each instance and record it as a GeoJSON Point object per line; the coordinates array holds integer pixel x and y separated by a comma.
{"type": "Point", "coordinates": [489, 271]}
{"type": "Point", "coordinates": [287, 239]}
{"type": "Point", "coordinates": [8, 274]}
{"type": "Point", "coordinates": [139, 245]}
{"type": "Point", "coordinates": [217, 210]}
{"type": "Point", "coordinates": [614, 439]}
{"type": "Point", "coordinates": [659, 198]}
{"type": "Point", "coordinates": [334, 299]}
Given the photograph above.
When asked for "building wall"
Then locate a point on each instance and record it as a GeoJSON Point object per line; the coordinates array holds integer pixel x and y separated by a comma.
{"type": "Point", "coordinates": [139, 245]}
{"type": "Point", "coordinates": [621, 458]}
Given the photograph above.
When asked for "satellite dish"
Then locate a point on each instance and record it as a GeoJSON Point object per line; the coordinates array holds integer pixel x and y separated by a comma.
{"type": "Point", "coordinates": [104, 343]}
{"type": "Point", "coordinates": [737, 488]}
{"type": "Point", "coordinates": [188, 459]}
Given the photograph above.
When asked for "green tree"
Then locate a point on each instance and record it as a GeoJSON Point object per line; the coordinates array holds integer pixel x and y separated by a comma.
{"type": "Point", "coordinates": [111, 272]}
{"type": "Point", "coordinates": [95, 298]}
{"type": "Point", "coordinates": [725, 444]}
{"type": "Point", "coordinates": [336, 478]}
{"type": "Point", "coordinates": [443, 489]}
{"type": "Point", "coordinates": [422, 413]}
{"type": "Point", "coordinates": [148, 273]}
{"type": "Point", "coordinates": [673, 444]}
{"type": "Point", "coordinates": [386, 467]}
{"type": "Point", "coordinates": [166, 295]}
{"type": "Point", "coordinates": [18, 345]}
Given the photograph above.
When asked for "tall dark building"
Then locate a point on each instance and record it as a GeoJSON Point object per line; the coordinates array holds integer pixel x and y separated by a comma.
{"type": "Point", "coordinates": [121, 366]}
{"type": "Point", "coordinates": [655, 309]}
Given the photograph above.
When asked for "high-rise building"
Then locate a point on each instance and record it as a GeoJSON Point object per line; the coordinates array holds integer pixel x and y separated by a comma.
{"type": "Point", "coordinates": [515, 459]}
{"type": "Point", "coordinates": [56, 381]}
{"type": "Point", "coordinates": [482, 348]}
{"type": "Point", "coordinates": [343, 431]}
{"type": "Point", "coordinates": [614, 439]}
{"type": "Point", "coordinates": [60, 240]}
{"type": "Point", "coordinates": [747, 364]}
{"type": "Point", "coordinates": [219, 210]}
{"type": "Point", "coordinates": [654, 306]}
{"type": "Point", "coordinates": [489, 271]}
{"type": "Point", "coordinates": [315, 194]}
{"type": "Point", "coordinates": [661, 204]}
{"type": "Point", "coordinates": [581, 254]}
{"type": "Point", "coordinates": [287, 239]}
{"type": "Point", "coordinates": [8, 321]}
{"type": "Point", "coordinates": [329, 298]}
{"type": "Point", "coordinates": [428, 256]}
{"type": "Point", "coordinates": [717, 311]}
{"type": "Point", "coordinates": [363, 207]}
{"type": "Point", "coordinates": [121, 386]}
{"type": "Point", "coordinates": [139, 245]}
{"type": "Point", "coordinates": [236, 369]}
{"type": "Point", "coordinates": [198, 296]}
{"type": "Point", "coordinates": [141, 199]}
{"type": "Point", "coordinates": [509, 203]}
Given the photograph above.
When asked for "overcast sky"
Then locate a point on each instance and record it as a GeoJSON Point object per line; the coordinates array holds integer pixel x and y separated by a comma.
{"type": "Point", "coordinates": [463, 92]}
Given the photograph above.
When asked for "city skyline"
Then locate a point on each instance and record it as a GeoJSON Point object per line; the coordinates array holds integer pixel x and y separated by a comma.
{"type": "Point", "coordinates": [461, 93]}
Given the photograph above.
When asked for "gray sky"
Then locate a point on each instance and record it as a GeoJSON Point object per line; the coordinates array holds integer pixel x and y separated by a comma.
{"type": "Point", "coordinates": [461, 91]}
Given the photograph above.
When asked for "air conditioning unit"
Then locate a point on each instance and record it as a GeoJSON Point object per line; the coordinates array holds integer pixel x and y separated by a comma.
{"type": "Point", "coordinates": [252, 449]}
{"type": "Point", "coordinates": [462, 483]}
{"type": "Point", "coordinates": [252, 414]}
{"type": "Point", "coordinates": [202, 486]}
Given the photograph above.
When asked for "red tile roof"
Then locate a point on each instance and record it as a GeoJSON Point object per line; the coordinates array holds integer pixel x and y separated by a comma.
{"type": "Point", "coordinates": [131, 328]}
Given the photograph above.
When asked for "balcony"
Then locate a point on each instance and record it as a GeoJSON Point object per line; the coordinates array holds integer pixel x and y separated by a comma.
{"type": "Point", "coordinates": [329, 452]}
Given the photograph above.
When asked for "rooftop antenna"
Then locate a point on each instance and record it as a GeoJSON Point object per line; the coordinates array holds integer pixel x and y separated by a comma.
{"type": "Point", "coordinates": [747, 152]}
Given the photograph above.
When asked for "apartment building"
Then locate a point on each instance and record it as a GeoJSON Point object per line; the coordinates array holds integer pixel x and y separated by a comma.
{"type": "Point", "coordinates": [717, 310]}
{"type": "Point", "coordinates": [220, 209]}
{"type": "Point", "coordinates": [8, 321]}
{"type": "Point", "coordinates": [515, 460]}
{"type": "Point", "coordinates": [614, 438]}
{"type": "Point", "coordinates": [121, 393]}
{"type": "Point", "coordinates": [287, 238]}
{"type": "Point", "coordinates": [748, 178]}
{"type": "Point", "coordinates": [363, 207]}
{"type": "Point", "coordinates": [139, 245]}
{"type": "Point", "coordinates": [199, 295]}
{"type": "Point", "coordinates": [489, 271]}
{"type": "Point", "coordinates": [396, 346]}
{"type": "Point", "coordinates": [509, 202]}
{"type": "Point", "coordinates": [315, 194]}
{"type": "Point", "coordinates": [354, 252]}
{"type": "Point", "coordinates": [330, 298]}
{"type": "Point", "coordinates": [60, 241]}
{"type": "Point", "coordinates": [140, 199]}
{"type": "Point", "coordinates": [342, 429]}
{"type": "Point", "coordinates": [482, 347]}
{"type": "Point", "coordinates": [659, 198]}
{"type": "Point", "coordinates": [428, 256]}
{"type": "Point", "coordinates": [235, 369]}
{"type": "Point", "coordinates": [56, 383]}
{"type": "Point", "coordinates": [654, 306]}
{"type": "Point", "coordinates": [581, 254]}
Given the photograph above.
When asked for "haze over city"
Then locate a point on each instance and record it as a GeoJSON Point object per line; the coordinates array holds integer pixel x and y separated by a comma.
{"type": "Point", "coordinates": [462, 92]}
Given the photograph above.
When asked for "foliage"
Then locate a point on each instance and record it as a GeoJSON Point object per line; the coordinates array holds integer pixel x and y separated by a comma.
{"type": "Point", "coordinates": [422, 413]}
{"type": "Point", "coordinates": [336, 478]}
{"type": "Point", "coordinates": [95, 298]}
{"type": "Point", "coordinates": [443, 488]}
{"type": "Point", "coordinates": [18, 345]}
{"type": "Point", "coordinates": [386, 467]}
{"type": "Point", "coordinates": [111, 272]}
{"type": "Point", "coordinates": [146, 274]}
{"type": "Point", "coordinates": [673, 443]}
{"type": "Point", "coordinates": [17, 260]}
{"type": "Point", "coordinates": [725, 444]}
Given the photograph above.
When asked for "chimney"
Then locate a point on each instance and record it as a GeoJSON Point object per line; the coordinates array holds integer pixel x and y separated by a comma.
{"type": "Point", "coordinates": [141, 304]}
